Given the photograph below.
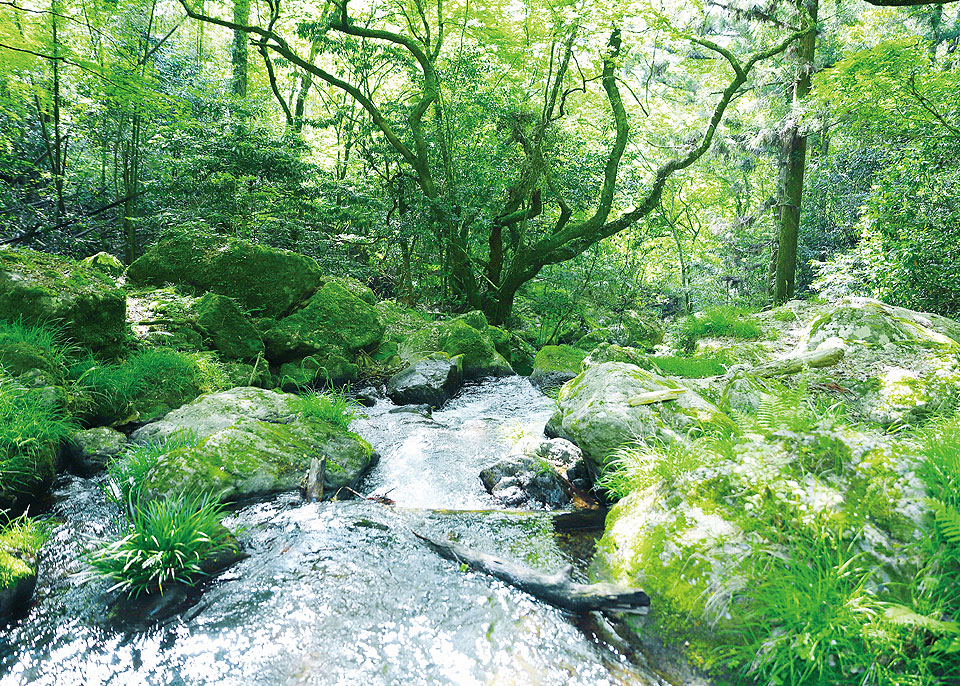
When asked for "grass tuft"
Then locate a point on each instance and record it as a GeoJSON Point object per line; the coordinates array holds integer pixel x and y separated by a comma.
{"type": "Point", "coordinates": [332, 406]}
{"type": "Point", "coordinates": [717, 321]}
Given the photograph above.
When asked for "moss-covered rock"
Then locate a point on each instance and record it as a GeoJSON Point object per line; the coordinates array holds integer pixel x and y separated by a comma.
{"type": "Point", "coordinates": [609, 352]}
{"type": "Point", "coordinates": [314, 370]}
{"type": "Point", "coordinates": [163, 317]}
{"type": "Point", "coordinates": [468, 335]}
{"type": "Point", "coordinates": [20, 542]}
{"type": "Point", "coordinates": [38, 288]}
{"type": "Point", "coordinates": [226, 328]}
{"type": "Point", "coordinates": [640, 330]}
{"type": "Point", "coordinates": [262, 279]}
{"type": "Point", "coordinates": [104, 262]}
{"type": "Point", "coordinates": [90, 450]}
{"type": "Point", "coordinates": [251, 442]}
{"type": "Point", "coordinates": [611, 404]}
{"type": "Point", "coordinates": [359, 289]}
{"type": "Point", "coordinates": [698, 537]}
{"type": "Point", "coordinates": [554, 365]}
{"type": "Point", "coordinates": [18, 357]}
{"type": "Point", "coordinates": [333, 321]}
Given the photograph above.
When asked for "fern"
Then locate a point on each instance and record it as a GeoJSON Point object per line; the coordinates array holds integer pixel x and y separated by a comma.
{"type": "Point", "coordinates": [948, 519]}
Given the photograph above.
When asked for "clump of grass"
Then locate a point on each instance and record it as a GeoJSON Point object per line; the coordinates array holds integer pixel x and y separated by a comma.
{"type": "Point", "coordinates": [20, 538]}
{"type": "Point", "coordinates": [125, 475]}
{"type": "Point", "coordinates": [332, 406]}
{"type": "Point", "coordinates": [717, 321]}
{"type": "Point", "coordinates": [156, 374]}
{"type": "Point", "coordinates": [167, 542]}
{"type": "Point", "coordinates": [31, 430]}
{"type": "Point", "coordinates": [692, 367]}
{"type": "Point", "coordinates": [636, 467]}
{"type": "Point", "coordinates": [46, 340]}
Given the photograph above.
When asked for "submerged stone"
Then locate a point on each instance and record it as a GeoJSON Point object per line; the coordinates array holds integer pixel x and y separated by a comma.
{"type": "Point", "coordinates": [91, 450]}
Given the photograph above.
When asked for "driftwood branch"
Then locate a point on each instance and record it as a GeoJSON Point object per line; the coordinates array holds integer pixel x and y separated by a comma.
{"type": "Point", "coordinates": [557, 590]}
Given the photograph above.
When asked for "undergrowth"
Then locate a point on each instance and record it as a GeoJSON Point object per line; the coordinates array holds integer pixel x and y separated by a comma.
{"type": "Point", "coordinates": [716, 321]}
{"type": "Point", "coordinates": [32, 428]}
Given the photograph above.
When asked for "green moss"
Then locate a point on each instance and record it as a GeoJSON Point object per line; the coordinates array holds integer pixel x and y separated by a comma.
{"type": "Point", "coordinates": [260, 278]}
{"type": "Point", "coordinates": [227, 328]}
{"type": "Point", "coordinates": [559, 358]}
{"type": "Point", "coordinates": [362, 291]}
{"type": "Point", "coordinates": [333, 321]}
{"type": "Point", "coordinates": [38, 289]}
{"type": "Point", "coordinates": [20, 541]}
{"type": "Point", "coordinates": [480, 358]}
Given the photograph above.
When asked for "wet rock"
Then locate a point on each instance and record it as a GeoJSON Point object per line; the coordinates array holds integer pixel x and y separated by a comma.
{"type": "Point", "coordinates": [370, 396]}
{"type": "Point", "coordinates": [554, 365]}
{"type": "Point", "coordinates": [422, 410]}
{"type": "Point", "coordinates": [250, 442]}
{"type": "Point", "coordinates": [529, 473]}
{"type": "Point", "coordinates": [16, 591]}
{"type": "Point", "coordinates": [39, 288]}
{"type": "Point", "coordinates": [430, 381]}
{"type": "Point", "coordinates": [262, 279]}
{"type": "Point", "coordinates": [91, 450]}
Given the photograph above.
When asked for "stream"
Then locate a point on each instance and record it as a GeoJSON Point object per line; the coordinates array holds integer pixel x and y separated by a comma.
{"type": "Point", "coordinates": [338, 592]}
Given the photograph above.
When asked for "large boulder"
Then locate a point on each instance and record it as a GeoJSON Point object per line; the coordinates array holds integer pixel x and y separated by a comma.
{"type": "Point", "coordinates": [226, 328]}
{"type": "Point", "coordinates": [334, 320]}
{"type": "Point", "coordinates": [249, 442]}
{"type": "Point", "coordinates": [554, 365]}
{"type": "Point", "coordinates": [38, 288]}
{"type": "Point", "coordinates": [262, 279]}
{"type": "Point", "coordinates": [104, 262]}
{"type": "Point", "coordinates": [468, 335]}
{"type": "Point", "coordinates": [897, 365]}
{"type": "Point", "coordinates": [531, 473]}
{"type": "Point", "coordinates": [430, 381]}
{"type": "Point", "coordinates": [611, 404]}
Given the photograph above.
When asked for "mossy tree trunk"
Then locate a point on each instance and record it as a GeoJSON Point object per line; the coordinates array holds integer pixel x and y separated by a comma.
{"type": "Point", "coordinates": [793, 160]}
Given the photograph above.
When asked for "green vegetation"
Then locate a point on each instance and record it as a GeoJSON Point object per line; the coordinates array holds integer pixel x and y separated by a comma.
{"type": "Point", "coordinates": [20, 538]}
{"type": "Point", "coordinates": [636, 467]}
{"type": "Point", "coordinates": [24, 346]}
{"type": "Point", "coordinates": [692, 366]}
{"type": "Point", "coordinates": [32, 429]}
{"type": "Point", "coordinates": [716, 321]}
{"type": "Point", "coordinates": [165, 541]}
{"type": "Point", "coordinates": [332, 406]}
{"type": "Point", "coordinates": [147, 382]}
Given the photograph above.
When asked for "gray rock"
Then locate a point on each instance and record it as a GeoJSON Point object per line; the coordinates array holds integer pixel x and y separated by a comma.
{"type": "Point", "coordinates": [430, 381]}
{"type": "Point", "coordinates": [527, 474]}
{"type": "Point", "coordinates": [91, 450]}
{"type": "Point", "coordinates": [17, 594]}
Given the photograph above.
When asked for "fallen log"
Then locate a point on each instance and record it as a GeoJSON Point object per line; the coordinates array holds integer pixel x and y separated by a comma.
{"type": "Point", "coordinates": [556, 589]}
{"type": "Point", "coordinates": [814, 359]}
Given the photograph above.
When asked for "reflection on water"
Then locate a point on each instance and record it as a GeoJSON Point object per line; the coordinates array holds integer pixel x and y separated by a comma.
{"type": "Point", "coordinates": [333, 593]}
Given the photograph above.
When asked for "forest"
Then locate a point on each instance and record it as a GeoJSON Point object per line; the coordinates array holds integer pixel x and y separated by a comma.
{"type": "Point", "coordinates": [480, 342]}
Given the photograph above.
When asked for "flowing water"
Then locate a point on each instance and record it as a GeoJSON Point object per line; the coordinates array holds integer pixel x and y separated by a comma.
{"type": "Point", "coordinates": [337, 592]}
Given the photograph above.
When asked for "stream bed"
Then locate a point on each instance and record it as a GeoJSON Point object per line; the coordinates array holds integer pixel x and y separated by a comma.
{"type": "Point", "coordinates": [338, 592]}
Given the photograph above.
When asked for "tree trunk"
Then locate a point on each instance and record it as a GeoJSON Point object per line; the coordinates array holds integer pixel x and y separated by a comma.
{"type": "Point", "coordinates": [792, 165]}
{"type": "Point", "coordinates": [238, 57]}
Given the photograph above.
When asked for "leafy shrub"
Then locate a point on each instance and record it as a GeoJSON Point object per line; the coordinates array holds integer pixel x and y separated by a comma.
{"type": "Point", "coordinates": [31, 430]}
{"type": "Point", "coordinates": [716, 321]}
{"type": "Point", "coordinates": [167, 542]}
{"type": "Point", "coordinates": [332, 406]}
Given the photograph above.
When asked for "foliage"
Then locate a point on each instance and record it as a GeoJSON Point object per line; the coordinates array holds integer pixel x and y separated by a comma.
{"type": "Point", "coordinates": [32, 429]}
{"type": "Point", "coordinates": [47, 341]}
{"type": "Point", "coordinates": [332, 406]}
{"type": "Point", "coordinates": [167, 542]}
{"type": "Point", "coordinates": [691, 366]}
{"type": "Point", "coordinates": [126, 474]}
{"type": "Point", "coordinates": [716, 321]}
{"type": "Point", "coordinates": [636, 467]}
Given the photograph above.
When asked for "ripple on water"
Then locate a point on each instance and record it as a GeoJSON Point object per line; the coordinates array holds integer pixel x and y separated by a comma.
{"type": "Point", "coordinates": [332, 593]}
